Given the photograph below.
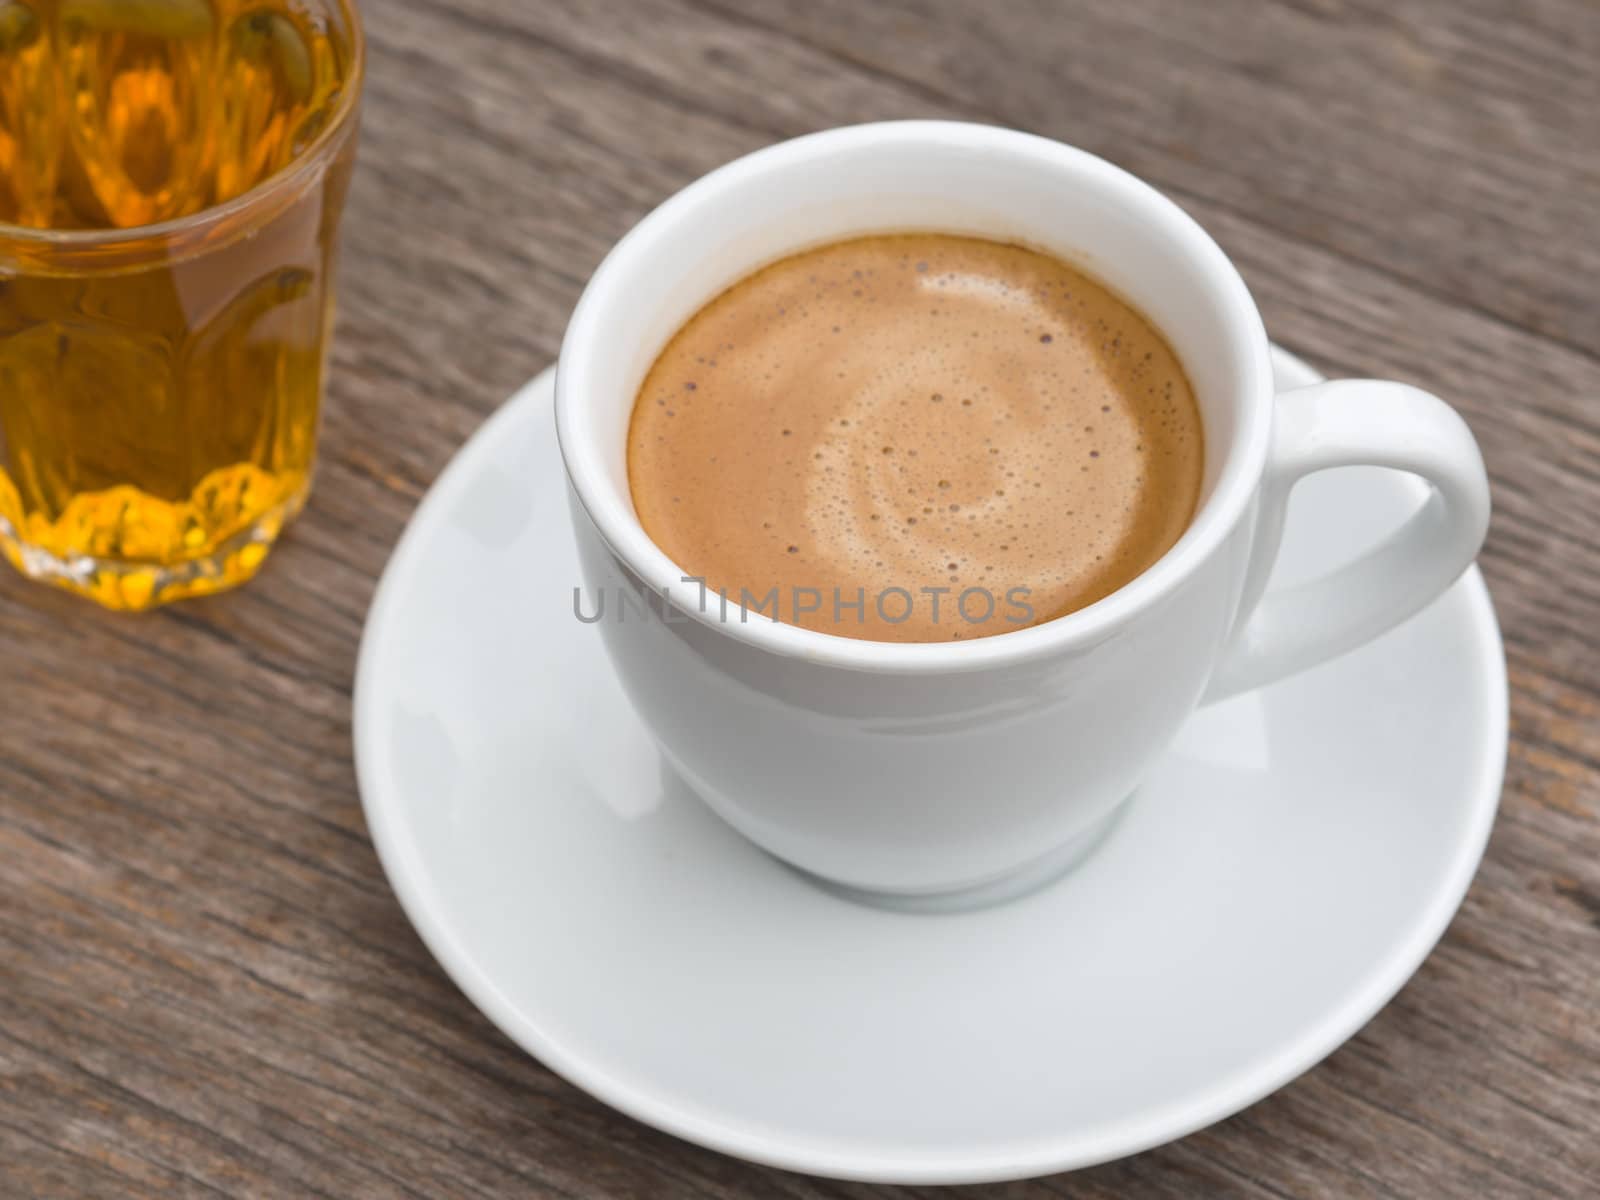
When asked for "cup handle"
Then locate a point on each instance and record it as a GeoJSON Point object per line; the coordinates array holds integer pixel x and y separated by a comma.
{"type": "Point", "coordinates": [1356, 422]}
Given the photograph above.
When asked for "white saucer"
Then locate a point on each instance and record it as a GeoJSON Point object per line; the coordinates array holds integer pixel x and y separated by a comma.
{"type": "Point", "coordinates": [1283, 872]}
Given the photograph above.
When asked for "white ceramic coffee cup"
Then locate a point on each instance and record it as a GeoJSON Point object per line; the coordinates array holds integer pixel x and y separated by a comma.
{"type": "Point", "coordinates": [966, 768]}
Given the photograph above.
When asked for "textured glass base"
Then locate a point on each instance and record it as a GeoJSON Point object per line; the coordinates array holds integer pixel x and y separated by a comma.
{"type": "Point", "coordinates": [130, 586]}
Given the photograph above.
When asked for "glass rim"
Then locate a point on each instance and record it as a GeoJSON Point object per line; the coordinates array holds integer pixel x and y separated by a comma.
{"type": "Point", "coordinates": [216, 214]}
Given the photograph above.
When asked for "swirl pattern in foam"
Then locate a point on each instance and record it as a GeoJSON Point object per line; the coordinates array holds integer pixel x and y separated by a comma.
{"type": "Point", "coordinates": [965, 436]}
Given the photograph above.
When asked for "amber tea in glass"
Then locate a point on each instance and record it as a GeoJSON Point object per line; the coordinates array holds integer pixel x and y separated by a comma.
{"type": "Point", "coordinates": [171, 177]}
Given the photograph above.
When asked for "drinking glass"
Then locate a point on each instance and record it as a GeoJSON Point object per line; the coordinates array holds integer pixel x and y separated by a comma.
{"type": "Point", "coordinates": [171, 179]}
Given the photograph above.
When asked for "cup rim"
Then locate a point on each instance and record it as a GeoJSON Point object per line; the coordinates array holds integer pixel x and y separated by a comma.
{"type": "Point", "coordinates": [619, 527]}
{"type": "Point", "coordinates": [304, 164]}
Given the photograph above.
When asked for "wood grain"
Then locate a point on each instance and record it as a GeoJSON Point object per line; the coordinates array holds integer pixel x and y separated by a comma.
{"type": "Point", "coordinates": [206, 986]}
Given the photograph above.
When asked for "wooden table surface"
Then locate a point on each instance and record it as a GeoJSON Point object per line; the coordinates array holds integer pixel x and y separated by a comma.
{"type": "Point", "coordinates": [206, 985]}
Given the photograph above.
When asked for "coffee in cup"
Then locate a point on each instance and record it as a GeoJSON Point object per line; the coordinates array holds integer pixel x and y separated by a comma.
{"type": "Point", "coordinates": [957, 771]}
{"type": "Point", "coordinates": [916, 437]}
